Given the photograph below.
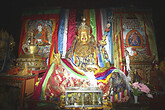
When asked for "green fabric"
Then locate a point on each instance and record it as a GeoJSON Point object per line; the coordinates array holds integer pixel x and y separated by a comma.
{"type": "Point", "coordinates": [46, 81]}
{"type": "Point", "coordinates": [93, 23]}
{"type": "Point", "coordinates": [69, 69]}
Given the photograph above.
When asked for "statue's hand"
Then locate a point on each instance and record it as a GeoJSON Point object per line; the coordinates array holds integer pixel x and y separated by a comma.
{"type": "Point", "coordinates": [103, 41]}
{"type": "Point", "coordinates": [56, 58]}
{"type": "Point", "coordinates": [91, 68]}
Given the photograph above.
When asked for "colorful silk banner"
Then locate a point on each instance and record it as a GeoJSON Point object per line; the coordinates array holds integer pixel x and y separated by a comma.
{"type": "Point", "coordinates": [54, 45]}
{"type": "Point", "coordinates": [65, 32]}
{"type": "Point", "coordinates": [37, 92]}
{"type": "Point", "coordinates": [46, 80]}
{"type": "Point", "coordinates": [61, 31]}
{"type": "Point", "coordinates": [22, 37]}
{"type": "Point", "coordinates": [109, 14]}
{"type": "Point", "coordinates": [71, 27]}
{"type": "Point", "coordinates": [98, 25]}
{"type": "Point", "coordinates": [122, 40]}
{"type": "Point", "coordinates": [93, 24]}
{"type": "Point", "coordinates": [103, 20]}
{"type": "Point", "coordinates": [147, 42]}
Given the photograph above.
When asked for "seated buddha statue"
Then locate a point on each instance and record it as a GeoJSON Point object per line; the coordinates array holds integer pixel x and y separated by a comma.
{"type": "Point", "coordinates": [86, 64]}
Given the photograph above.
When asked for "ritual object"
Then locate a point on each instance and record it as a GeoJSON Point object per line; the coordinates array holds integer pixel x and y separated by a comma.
{"type": "Point", "coordinates": [31, 57]}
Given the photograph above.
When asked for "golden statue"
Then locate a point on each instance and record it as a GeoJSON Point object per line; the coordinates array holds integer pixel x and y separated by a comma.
{"type": "Point", "coordinates": [84, 49]}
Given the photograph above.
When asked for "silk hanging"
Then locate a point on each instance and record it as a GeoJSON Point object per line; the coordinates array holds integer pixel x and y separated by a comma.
{"type": "Point", "coordinates": [37, 92]}
{"type": "Point", "coordinates": [103, 15]}
{"type": "Point", "coordinates": [46, 80]}
{"type": "Point", "coordinates": [54, 45]}
{"type": "Point", "coordinates": [65, 32]}
{"type": "Point", "coordinates": [61, 31]}
{"type": "Point", "coordinates": [146, 36]}
{"type": "Point", "coordinates": [109, 14]}
{"type": "Point", "coordinates": [71, 27]}
{"type": "Point", "coordinates": [22, 37]}
{"type": "Point", "coordinates": [98, 25]}
{"type": "Point", "coordinates": [93, 23]}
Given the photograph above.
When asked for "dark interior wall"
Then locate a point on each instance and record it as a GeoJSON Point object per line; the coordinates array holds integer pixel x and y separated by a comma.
{"type": "Point", "coordinates": [11, 11]}
{"type": "Point", "coordinates": [10, 21]}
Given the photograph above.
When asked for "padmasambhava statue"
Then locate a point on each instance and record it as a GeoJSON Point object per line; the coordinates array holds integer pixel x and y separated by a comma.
{"type": "Point", "coordinates": [84, 50]}
{"type": "Point", "coordinates": [86, 64]}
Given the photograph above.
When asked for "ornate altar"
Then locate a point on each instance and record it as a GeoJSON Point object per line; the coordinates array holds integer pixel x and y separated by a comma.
{"type": "Point", "coordinates": [140, 68]}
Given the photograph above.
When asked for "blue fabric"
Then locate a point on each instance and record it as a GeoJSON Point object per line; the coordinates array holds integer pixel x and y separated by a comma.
{"type": "Point", "coordinates": [100, 60]}
{"type": "Point", "coordinates": [109, 14]}
{"type": "Point", "coordinates": [61, 30]}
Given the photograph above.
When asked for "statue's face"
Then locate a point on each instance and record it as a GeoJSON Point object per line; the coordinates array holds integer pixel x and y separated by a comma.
{"type": "Point", "coordinates": [39, 28]}
{"type": "Point", "coordinates": [83, 37]}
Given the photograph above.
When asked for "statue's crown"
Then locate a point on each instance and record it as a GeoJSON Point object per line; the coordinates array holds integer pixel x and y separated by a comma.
{"type": "Point", "coordinates": [83, 25]}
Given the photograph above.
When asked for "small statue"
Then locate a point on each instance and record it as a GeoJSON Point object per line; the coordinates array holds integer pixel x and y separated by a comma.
{"type": "Point", "coordinates": [57, 58]}
{"type": "Point", "coordinates": [24, 71]}
{"type": "Point", "coordinates": [107, 29]}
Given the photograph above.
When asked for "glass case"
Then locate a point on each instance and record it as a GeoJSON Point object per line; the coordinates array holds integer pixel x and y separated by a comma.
{"type": "Point", "coordinates": [87, 97]}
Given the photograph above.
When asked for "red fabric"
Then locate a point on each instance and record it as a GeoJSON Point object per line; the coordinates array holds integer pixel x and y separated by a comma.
{"type": "Point", "coordinates": [147, 42]}
{"type": "Point", "coordinates": [122, 39]}
{"type": "Point", "coordinates": [98, 25]}
{"type": "Point", "coordinates": [23, 33]}
{"type": "Point", "coordinates": [71, 27]}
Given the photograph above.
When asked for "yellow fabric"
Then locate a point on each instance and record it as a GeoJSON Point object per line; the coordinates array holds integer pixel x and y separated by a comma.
{"type": "Point", "coordinates": [106, 80]}
{"type": "Point", "coordinates": [53, 29]}
{"type": "Point", "coordinates": [117, 29]}
{"type": "Point", "coordinates": [100, 70]}
{"type": "Point", "coordinates": [119, 49]}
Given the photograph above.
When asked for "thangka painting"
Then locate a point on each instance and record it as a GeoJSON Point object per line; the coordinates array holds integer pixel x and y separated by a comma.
{"type": "Point", "coordinates": [42, 28]}
{"type": "Point", "coordinates": [134, 33]}
{"type": "Point", "coordinates": [42, 34]}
